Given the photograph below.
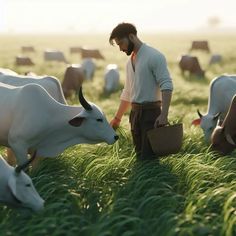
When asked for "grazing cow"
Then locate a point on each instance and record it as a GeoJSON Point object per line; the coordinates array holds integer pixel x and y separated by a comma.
{"type": "Point", "coordinates": [191, 64]}
{"type": "Point", "coordinates": [91, 53]}
{"type": "Point", "coordinates": [31, 120]}
{"type": "Point", "coordinates": [200, 45]}
{"type": "Point", "coordinates": [27, 49]}
{"type": "Point", "coordinates": [111, 78]}
{"type": "Point", "coordinates": [50, 83]}
{"type": "Point", "coordinates": [89, 67]}
{"type": "Point", "coordinates": [215, 58]}
{"type": "Point", "coordinates": [54, 55]}
{"type": "Point", "coordinates": [73, 79]}
{"type": "Point", "coordinates": [222, 89]}
{"type": "Point", "coordinates": [23, 61]}
{"type": "Point", "coordinates": [16, 187]}
{"type": "Point", "coordinates": [75, 50]}
{"type": "Point", "coordinates": [223, 138]}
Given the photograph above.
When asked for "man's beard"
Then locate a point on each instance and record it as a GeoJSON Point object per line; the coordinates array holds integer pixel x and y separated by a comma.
{"type": "Point", "coordinates": [130, 48]}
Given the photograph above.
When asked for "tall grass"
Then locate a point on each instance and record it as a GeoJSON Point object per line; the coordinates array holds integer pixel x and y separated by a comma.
{"type": "Point", "coordinates": [101, 190]}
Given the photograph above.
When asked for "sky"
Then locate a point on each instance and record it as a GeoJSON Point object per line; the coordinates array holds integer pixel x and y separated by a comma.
{"type": "Point", "coordinates": [95, 16]}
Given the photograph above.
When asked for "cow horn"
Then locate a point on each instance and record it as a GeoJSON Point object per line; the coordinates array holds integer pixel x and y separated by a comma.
{"type": "Point", "coordinates": [199, 113]}
{"type": "Point", "coordinates": [19, 168]}
{"type": "Point", "coordinates": [216, 116]}
{"type": "Point", "coordinates": [83, 102]}
{"type": "Point", "coordinates": [229, 139]}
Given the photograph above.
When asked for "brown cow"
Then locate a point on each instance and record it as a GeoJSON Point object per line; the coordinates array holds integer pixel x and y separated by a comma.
{"type": "Point", "coordinates": [75, 50]}
{"type": "Point", "coordinates": [73, 79]}
{"type": "Point", "coordinates": [223, 138]}
{"type": "Point", "coordinates": [191, 64]}
{"type": "Point", "coordinates": [91, 53]}
{"type": "Point", "coordinates": [200, 45]}
{"type": "Point", "coordinates": [27, 49]}
{"type": "Point", "coordinates": [23, 61]}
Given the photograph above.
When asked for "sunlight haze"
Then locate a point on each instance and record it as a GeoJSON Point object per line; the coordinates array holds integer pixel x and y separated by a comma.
{"type": "Point", "coordinates": [94, 16]}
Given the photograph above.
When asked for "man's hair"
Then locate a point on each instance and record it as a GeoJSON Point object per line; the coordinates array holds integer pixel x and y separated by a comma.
{"type": "Point", "coordinates": [122, 30]}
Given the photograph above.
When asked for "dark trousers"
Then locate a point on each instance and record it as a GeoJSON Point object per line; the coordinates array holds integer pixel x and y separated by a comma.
{"type": "Point", "coordinates": [142, 119]}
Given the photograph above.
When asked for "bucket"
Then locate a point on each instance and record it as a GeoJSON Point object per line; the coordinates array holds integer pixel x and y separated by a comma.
{"type": "Point", "coordinates": [167, 139]}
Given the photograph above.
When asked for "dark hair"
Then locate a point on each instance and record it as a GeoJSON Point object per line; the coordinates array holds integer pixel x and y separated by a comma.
{"type": "Point", "coordinates": [122, 30]}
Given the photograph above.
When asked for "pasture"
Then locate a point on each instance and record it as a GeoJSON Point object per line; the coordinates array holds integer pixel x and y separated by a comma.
{"type": "Point", "coordinates": [101, 190]}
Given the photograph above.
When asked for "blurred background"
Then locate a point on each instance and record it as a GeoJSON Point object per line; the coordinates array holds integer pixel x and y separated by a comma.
{"type": "Point", "coordinates": [93, 16]}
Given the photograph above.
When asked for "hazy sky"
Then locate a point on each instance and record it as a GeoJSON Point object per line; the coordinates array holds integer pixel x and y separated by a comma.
{"type": "Point", "coordinates": [102, 15]}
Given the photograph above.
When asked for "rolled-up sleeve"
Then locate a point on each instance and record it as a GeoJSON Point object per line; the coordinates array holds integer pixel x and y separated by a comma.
{"type": "Point", "coordinates": [161, 72]}
{"type": "Point", "coordinates": [126, 92]}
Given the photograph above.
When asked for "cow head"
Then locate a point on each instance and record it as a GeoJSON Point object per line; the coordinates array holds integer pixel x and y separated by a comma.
{"type": "Point", "coordinates": [208, 123]}
{"type": "Point", "coordinates": [221, 141]}
{"type": "Point", "coordinates": [93, 123]}
{"type": "Point", "coordinates": [22, 190]}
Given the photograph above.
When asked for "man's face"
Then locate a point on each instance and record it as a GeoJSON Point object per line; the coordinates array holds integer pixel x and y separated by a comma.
{"type": "Point", "coordinates": [125, 45]}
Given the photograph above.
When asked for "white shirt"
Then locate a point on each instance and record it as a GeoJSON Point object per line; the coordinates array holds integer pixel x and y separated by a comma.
{"type": "Point", "coordinates": [150, 76]}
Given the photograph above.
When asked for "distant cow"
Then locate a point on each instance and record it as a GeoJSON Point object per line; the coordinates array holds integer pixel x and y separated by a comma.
{"type": "Point", "coordinates": [190, 64]}
{"type": "Point", "coordinates": [16, 187]}
{"type": "Point", "coordinates": [31, 120]}
{"type": "Point", "coordinates": [222, 90]}
{"type": "Point", "coordinates": [111, 78]}
{"type": "Point", "coordinates": [91, 53]}
{"type": "Point", "coordinates": [223, 138]}
{"type": "Point", "coordinates": [54, 55]}
{"type": "Point", "coordinates": [200, 45]}
{"type": "Point", "coordinates": [27, 49]}
{"type": "Point", "coordinates": [23, 61]}
{"type": "Point", "coordinates": [75, 50]}
{"type": "Point", "coordinates": [215, 58]}
{"type": "Point", "coordinates": [73, 79]}
{"type": "Point", "coordinates": [89, 67]}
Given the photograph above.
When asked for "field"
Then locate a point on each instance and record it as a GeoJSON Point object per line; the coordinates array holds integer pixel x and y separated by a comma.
{"type": "Point", "coordinates": [101, 190]}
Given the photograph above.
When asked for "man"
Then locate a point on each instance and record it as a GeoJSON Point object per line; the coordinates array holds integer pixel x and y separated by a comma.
{"type": "Point", "coordinates": [148, 86]}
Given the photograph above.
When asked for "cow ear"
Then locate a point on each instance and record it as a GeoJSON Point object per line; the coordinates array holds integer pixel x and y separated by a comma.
{"type": "Point", "coordinates": [196, 122]}
{"type": "Point", "coordinates": [76, 121]}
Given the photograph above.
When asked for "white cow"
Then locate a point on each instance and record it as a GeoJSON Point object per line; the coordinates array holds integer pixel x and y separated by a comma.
{"type": "Point", "coordinates": [50, 83]}
{"type": "Point", "coordinates": [111, 78]}
{"type": "Point", "coordinates": [222, 90]}
{"type": "Point", "coordinates": [31, 120]}
{"type": "Point", "coordinates": [89, 67]}
{"type": "Point", "coordinates": [17, 189]}
{"type": "Point", "coordinates": [7, 71]}
{"type": "Point", "coordinates": [54, 55]}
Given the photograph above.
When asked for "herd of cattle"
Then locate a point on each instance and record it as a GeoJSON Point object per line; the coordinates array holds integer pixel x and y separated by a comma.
{"type": "Point", "coordinates": [48, 125]}
{"type": "Point", "coordinates": [191, 64]}
{"type": "Point", "coordinates": [75, 74]}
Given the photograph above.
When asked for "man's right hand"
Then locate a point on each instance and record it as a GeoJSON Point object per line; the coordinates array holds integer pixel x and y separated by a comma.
{"type": "Point", "coordinates": [115, 123]}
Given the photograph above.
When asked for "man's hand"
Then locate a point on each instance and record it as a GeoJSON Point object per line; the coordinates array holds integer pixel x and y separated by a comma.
{"type": "Point", "coordinates": [115, 123]}
{"type": "Point", "coordinates": [161, 120]}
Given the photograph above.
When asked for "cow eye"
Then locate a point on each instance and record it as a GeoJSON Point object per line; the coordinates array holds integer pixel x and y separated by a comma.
{"type": "Point", "coordinates": [27, 185]}
{"type": "Point", "coordinates": [100, 120]}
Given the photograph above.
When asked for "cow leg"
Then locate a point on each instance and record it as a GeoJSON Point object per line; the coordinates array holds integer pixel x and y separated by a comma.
{"type": "Point", "coordinates": [10, 157]}
{"type": "Point", "coordinates": [21, 154]}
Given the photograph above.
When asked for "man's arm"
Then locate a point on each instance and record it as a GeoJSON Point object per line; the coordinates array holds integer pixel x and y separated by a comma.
{"type": "Point", "coordinates": [162, 119]}
{"type": "Point", "coordinates": [123, 107]}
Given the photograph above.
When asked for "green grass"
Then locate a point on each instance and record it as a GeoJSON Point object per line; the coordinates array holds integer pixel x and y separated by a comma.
{"type": "Point", "coordinates": [101, 190]}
